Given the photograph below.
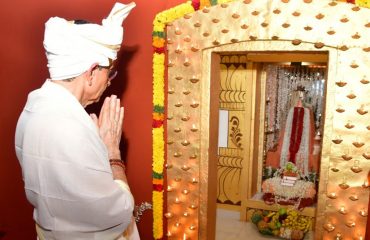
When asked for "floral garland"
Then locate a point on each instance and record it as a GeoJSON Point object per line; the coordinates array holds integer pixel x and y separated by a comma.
{"type": "Point", "coordinates": [159, 25]}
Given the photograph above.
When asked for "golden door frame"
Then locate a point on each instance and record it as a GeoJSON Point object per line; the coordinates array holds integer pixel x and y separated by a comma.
{"type": "Point", "coordinates": [193, 44]}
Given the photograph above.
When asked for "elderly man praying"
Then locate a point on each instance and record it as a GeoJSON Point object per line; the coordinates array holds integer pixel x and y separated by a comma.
{"type": "Point", "coordinates": [71, 163]}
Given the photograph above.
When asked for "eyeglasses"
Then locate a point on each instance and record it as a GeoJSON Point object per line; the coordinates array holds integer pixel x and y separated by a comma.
{"type": "Point", "coordinates": [112, 73]}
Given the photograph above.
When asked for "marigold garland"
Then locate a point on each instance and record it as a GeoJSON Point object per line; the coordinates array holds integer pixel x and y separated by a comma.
{"type": "Point", "coordinates": [158, 34]}
{"type": "Point", "coordinates": [159, 25]}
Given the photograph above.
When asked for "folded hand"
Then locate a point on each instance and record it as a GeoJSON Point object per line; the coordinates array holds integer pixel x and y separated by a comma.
{"type": "Point", "coordinates": [110, 124]}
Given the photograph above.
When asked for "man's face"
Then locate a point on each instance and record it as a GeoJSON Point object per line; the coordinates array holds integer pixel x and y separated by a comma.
{"type": "Point", "coordinates": [103, 77]}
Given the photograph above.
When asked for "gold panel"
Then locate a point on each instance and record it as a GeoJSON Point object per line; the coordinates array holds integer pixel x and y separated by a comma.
{"type": "Point", "coordinates": [191, 83]}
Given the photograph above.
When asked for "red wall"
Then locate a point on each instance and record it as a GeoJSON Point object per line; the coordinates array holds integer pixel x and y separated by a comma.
{"type": "Point", "coordinates": [23, 68]}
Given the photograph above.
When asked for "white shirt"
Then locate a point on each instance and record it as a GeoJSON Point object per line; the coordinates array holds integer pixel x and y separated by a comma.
{"type": "Point", "coordinates": [66, 170]}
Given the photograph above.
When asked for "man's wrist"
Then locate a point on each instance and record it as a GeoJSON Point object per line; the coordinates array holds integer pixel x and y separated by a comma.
{"type": "Point", "coordinates": [117, 162]}
{"type": "Point", "coordinates": [116, 154]}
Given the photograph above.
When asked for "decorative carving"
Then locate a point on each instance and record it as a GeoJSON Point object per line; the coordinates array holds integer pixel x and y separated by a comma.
{"type": "Point", "coordinates": [320, 16]}
{"type": "Point", "coordinates": [341, 84]}
{"type": "Point", "coordinates": [354, 65]}
{"type": "Point", "coordinates": [319, 45]}
{"type": "Point", "coordinates": [229, 168]}
{"type": "Point", "coordinates": [361, 111]}
{"type": "Point", "coordinates": [346, 157]}
{"type": "Point", "coordinates": [349, 125]}
{"type": "Point", "coordinates": [358, 144]}
{"type": "Point", "coordinates": [178, 104]}
{"type": "Point", "coordinates": [255, 13]}
{"type": "Point", "coordinates": [344, 20]}
{"type": "Point", "coordinates": [364, 81]}
{"type": "Point", "coordinates": [277, 11]}
{"type": "Point", "coordinates": [244, 26]}
{"type": "Point", "coordinates": [344, 186]}
{"type": "Point", "coordinates": [296, 41]}
{"type": "Point", "coordinates": [351, 96]}
{"type": "Point", "coordinates": [235, 15]}
{"type": "Point", "coordinates": [236, 135]}
{"type": "Point", "coordinates": [185, 167]}
{"type": "Point", "coordinates": [185, 143]}
{"type": "Point", "coordinates": [337, 141]}
{"type": "Point", "coordinates": [340, 109]}
{"type": "Point", "coordinates": [331, 32]}
{"type": "Point", "coordinates": [177, 154]}
{"type": "Point", "coordinates": [356, 36]}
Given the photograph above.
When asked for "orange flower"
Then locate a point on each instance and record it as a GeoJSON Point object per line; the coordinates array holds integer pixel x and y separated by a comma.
{"type": "Point", "coordinates": [204, 3]}
{"type": "Point", "coordinates": [158, 42]}
{"type": "Point", "coordinates": [158, 116]}
{"type": "Point", "coordinates": [157, 181]}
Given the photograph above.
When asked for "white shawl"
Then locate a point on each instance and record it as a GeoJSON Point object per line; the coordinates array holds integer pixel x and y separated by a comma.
{"type": "Point", "coordinates": [66, 171]}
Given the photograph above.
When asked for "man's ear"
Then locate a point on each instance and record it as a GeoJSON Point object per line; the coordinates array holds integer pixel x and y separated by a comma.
{"type": "Point", "coordinates": [90, 73]}
{"type": "Point", "coordinates": [92, 69]}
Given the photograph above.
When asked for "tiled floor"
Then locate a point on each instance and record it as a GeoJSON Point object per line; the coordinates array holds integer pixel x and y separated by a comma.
{"type": "Point", "coordinates": [228, 227]}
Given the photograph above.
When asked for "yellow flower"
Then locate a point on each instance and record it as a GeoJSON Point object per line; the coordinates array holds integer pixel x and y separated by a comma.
{"type": "Point", "coordinates": [159, 27]}
{"type": "Point", "coordinates": [158, 149]}
{"type": "Point", "coordinates": [157, 214]}
{"type": "Point", "coordinates": [363, 3]}
{"type": "Point", "coordinates": [158, 79]}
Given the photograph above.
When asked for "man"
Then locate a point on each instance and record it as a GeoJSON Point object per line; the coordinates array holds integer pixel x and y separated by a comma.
{"type": "Point", "coordinates": [71, 163]}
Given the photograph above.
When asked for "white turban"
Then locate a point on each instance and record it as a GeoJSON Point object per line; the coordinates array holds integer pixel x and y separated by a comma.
{"type": "Point", "coordinates": [72, 48]}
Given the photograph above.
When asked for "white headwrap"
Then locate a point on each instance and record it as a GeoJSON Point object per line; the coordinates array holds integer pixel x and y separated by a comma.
{"type": "Point", "coordinates": [72, 48]}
